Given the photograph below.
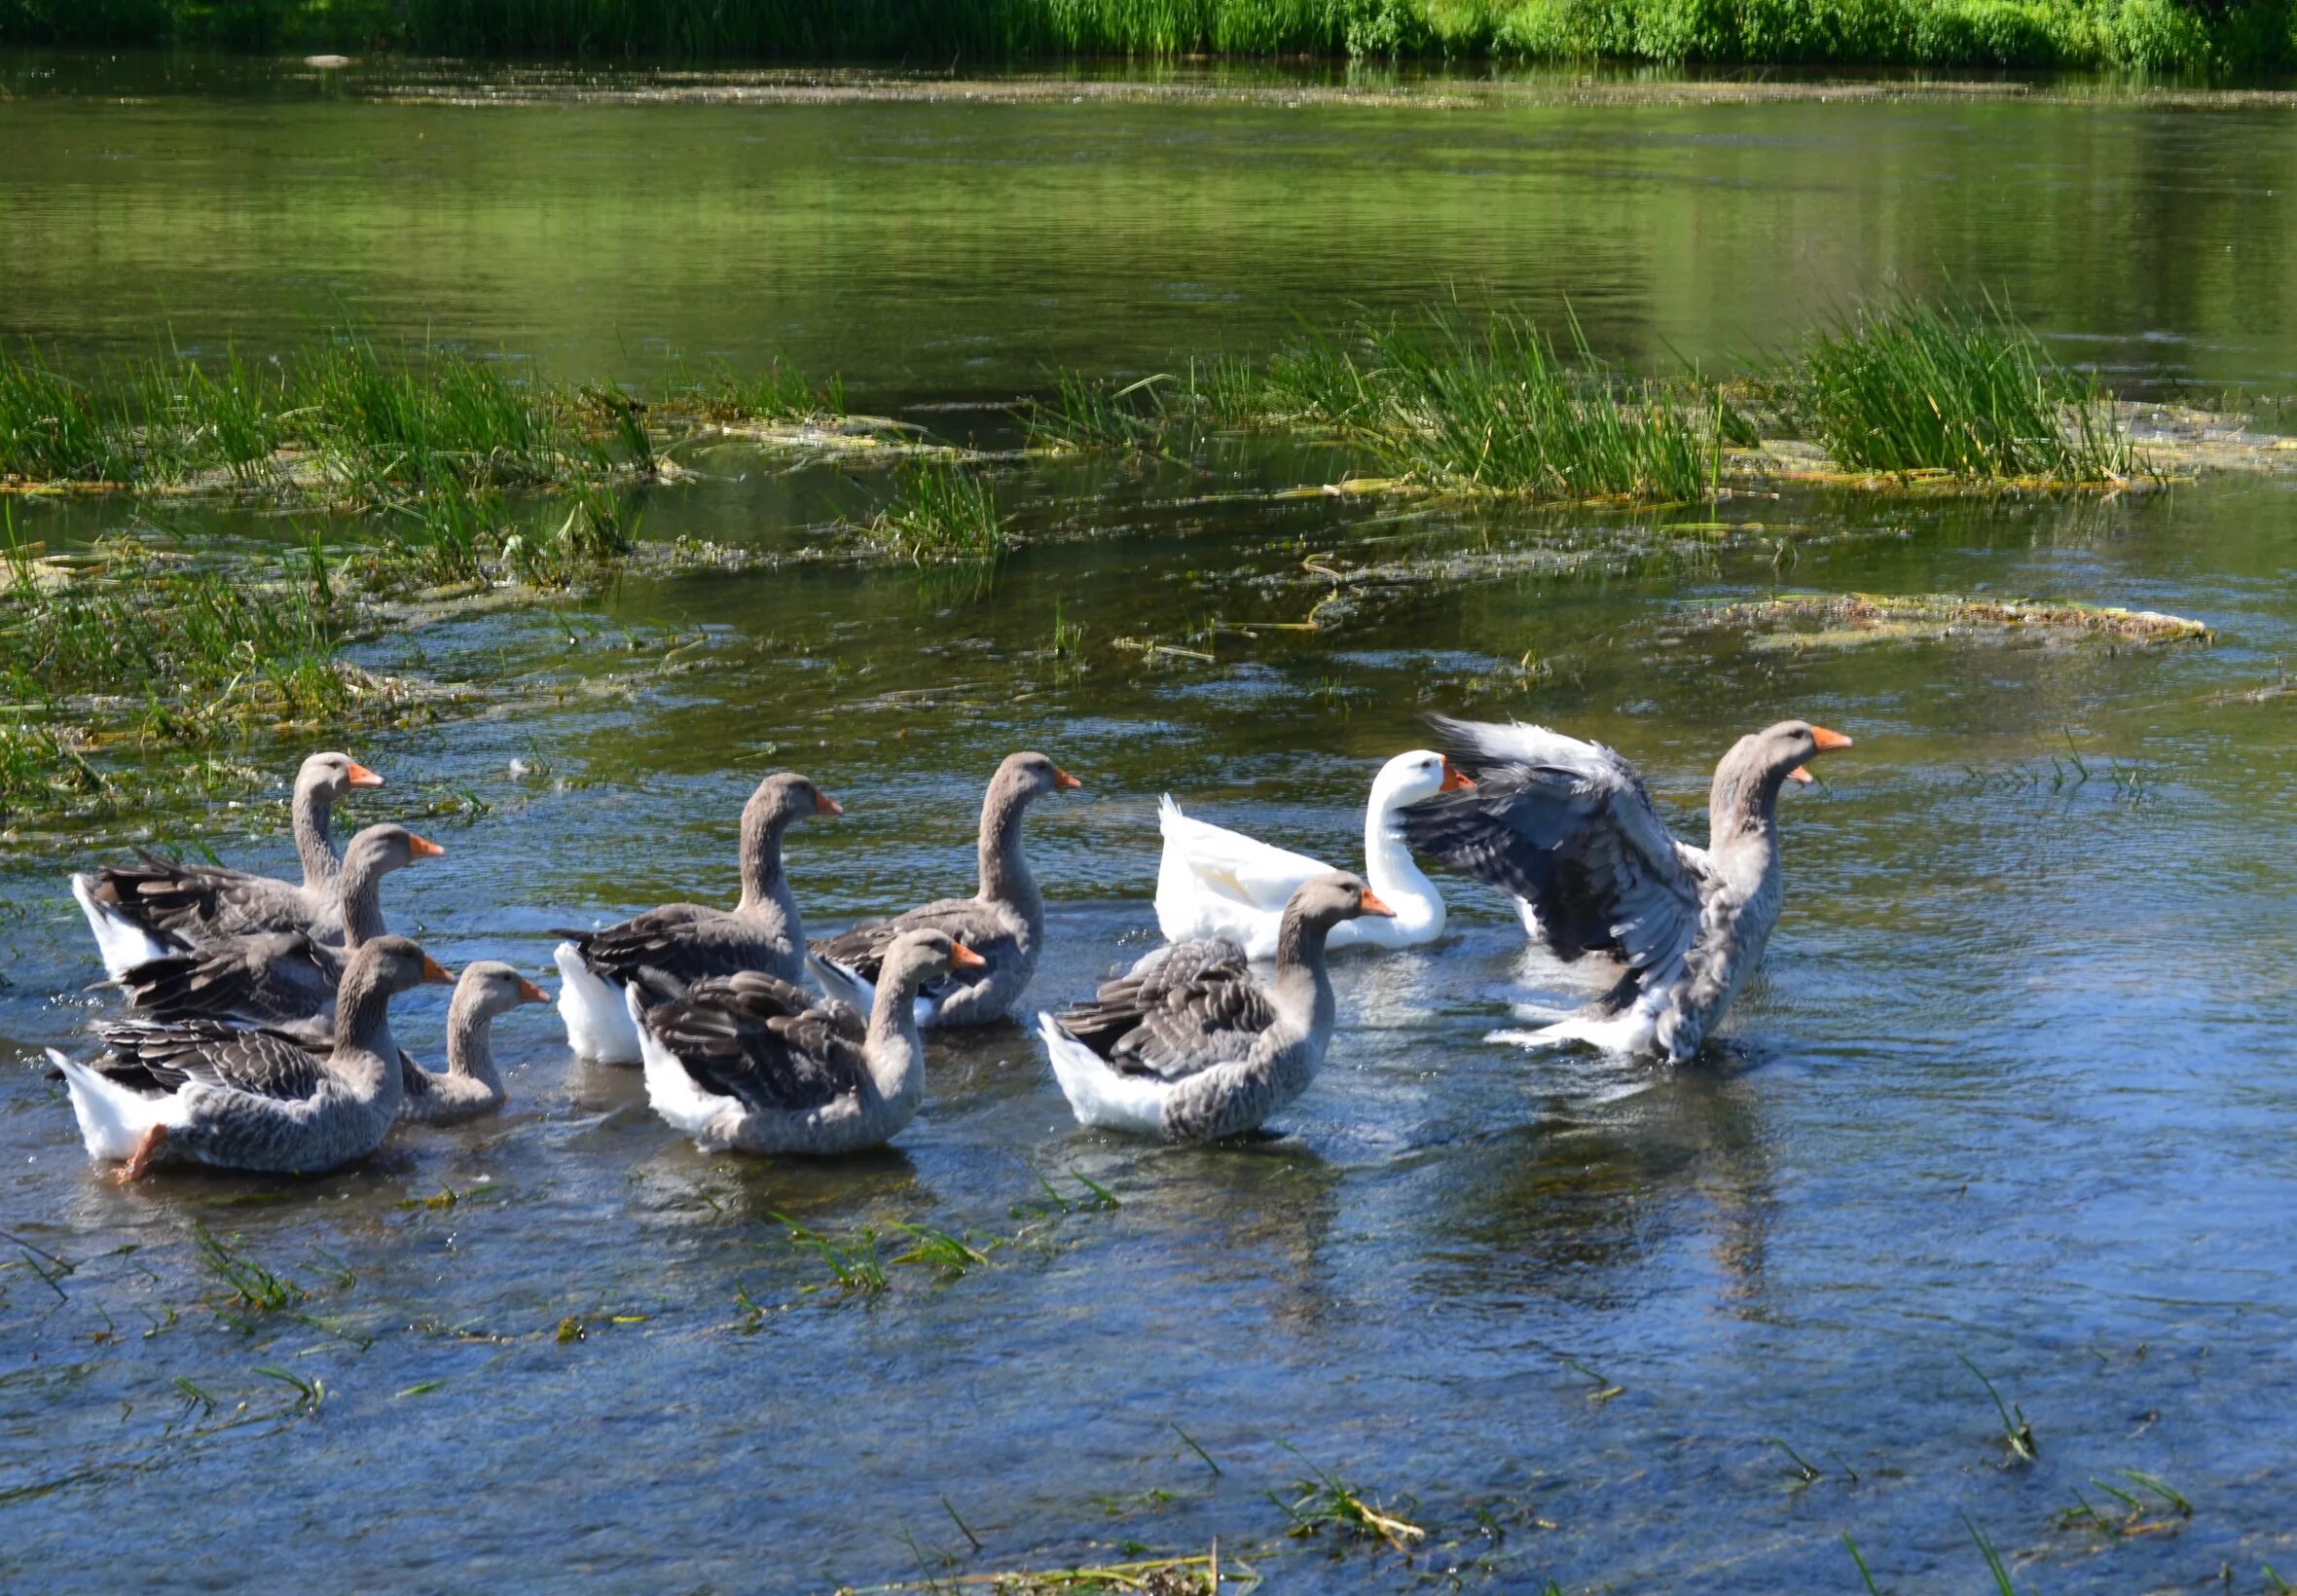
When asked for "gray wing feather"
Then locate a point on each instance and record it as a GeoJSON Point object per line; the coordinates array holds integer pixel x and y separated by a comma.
{"type": "Point", "coordinates": [1567, 826]}
{"type": "Point", "coordinates": [1179, 1011]}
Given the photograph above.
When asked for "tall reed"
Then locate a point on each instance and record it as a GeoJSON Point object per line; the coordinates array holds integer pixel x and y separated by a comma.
{"type": "Point", "coordinates": [1954, 387]}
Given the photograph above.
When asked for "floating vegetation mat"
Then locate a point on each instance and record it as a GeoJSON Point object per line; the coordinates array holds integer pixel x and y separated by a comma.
{"type": "Point", "coordinates": [1826, 620]}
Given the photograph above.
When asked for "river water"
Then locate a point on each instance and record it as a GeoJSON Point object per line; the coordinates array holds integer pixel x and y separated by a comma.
{"type": "Point", "coordinates": [2011, 1096]}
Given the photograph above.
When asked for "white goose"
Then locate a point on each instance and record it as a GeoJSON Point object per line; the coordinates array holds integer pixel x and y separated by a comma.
{"type": "Point", "coordinates": [1216, 883]}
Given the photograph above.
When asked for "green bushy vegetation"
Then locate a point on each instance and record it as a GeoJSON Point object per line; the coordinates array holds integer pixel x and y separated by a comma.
{"type": "Point", "coordinates": [2159, 36]}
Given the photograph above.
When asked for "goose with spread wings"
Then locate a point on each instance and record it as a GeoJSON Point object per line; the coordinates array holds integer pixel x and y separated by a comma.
{"type": "Point", "coordinates": [1568, 828]}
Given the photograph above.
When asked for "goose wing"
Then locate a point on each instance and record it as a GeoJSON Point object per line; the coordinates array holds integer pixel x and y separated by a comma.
{"type": "Point", "coordinates": [1568, 827]}
{"type": "Point", "coordinates": [267, 979]}
{"type": "Point", "coordinates": [197, 902]}
{"type": "Point", "coordinates": [674, 940]}
{"type": "Point", "coordinates": [759, 1039]}
{"type": "Point", "coordinates": [991, 931]}
{"type": "Point", "coordinates": [1178, 1012]}
{"type": "Point", "coordinates": [156, 1057]}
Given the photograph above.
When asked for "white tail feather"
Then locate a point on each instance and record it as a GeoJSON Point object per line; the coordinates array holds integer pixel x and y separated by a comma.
{"type": "Point", "coordinates": [669, 1089]}
{"type": "Point", "coordinates": [121, 941]}
{"type": "Point", "coordinates": [1097, 1095]}
{"type": "Point", "coordinates": [598, 1024]}
{"type": "Point", "coordinates": [113, 1118]}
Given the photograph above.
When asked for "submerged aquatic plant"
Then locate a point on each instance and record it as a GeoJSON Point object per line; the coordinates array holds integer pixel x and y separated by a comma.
{"type": "Point", "coordinates": [1325, 1500]}
{"type": "Point", "coordinates": [941, 513]}
{"type": "Point", "coordinates": [1952, 388]}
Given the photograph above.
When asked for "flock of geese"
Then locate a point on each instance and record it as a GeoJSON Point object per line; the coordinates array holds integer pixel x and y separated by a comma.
{"type": "Point", "coordinates": [258, 1034]}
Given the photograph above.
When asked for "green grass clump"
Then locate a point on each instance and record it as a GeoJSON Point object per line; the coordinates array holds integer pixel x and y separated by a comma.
{"type": "Point", "coordinates": [390, 423]}
{"type": "Point", "coordinates": [50, 429]}
{"type": "Point", "coordinates": [941, 513]}
{"type": "Point", "coordinates": [1491, 409]}
{"type": "Point", "coordinates": [1913, 387]}
{"type": "Point", "coordinates": [782, 392]}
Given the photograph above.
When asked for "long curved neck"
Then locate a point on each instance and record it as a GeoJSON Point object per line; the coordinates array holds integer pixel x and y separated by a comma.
{"type": "Point", "coordinates": [1394, 874]}
{"type": "Point", "coordinates": [762, 880]}
{"type": "Point", "coordinates": [1004, 873]}
{"type": "Point", "coordinates": [1303, 982]}
{"type": "Point", "coordinates": [470, 1040]}
{"type": "Point", "coordinates": [365, 1056]}
{"type": "Point", "coordinates": [315, 846]}
{"type": "Point", "coordinates": [893, 1051]}
{"type": "Point", "coordinates": [1742, 806]}
{"type": "Point", "coordinates": [361, 891]}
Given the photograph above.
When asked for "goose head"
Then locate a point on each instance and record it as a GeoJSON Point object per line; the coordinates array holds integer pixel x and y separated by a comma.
{"type": "Point", "coordinates": [787, 796]}
{"type": "Point", "coordinates": [1327, 899]}
{"type": "Point", "coordinates": [395, 965]}
{"type": "Point", "coordinates": [1410, 777]}
{"type": "Point", "coordinates": [334, 774]}
{"type": "Point", "coordinates": [381, 848]}
{"type": "Point", "coordinates": [1782, 749]}
{"type": "Point", "coordinates": [1032, 776]}
{"type": "Point", "coordinates": [919, 957]}
{"type": "Point", "coordinates": [494, 988]}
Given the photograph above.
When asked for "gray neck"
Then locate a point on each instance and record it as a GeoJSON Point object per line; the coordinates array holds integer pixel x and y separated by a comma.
{"type": "Point", "coordinates": [762, 880]}
{"type": "Point", "coordinates": [365, 1056]}
{"type": "Point", "coordinates": [361, 891]}
{"type": "Point", "coordinates": [309, 813]}
{"type": "Point", "coordinates": [1303, 988]}
{"type": "Point", "coordinates": [1004, 873]}
{"type": "Point", "coordinates": [1742, 807]}
{"type": "Point", "coordinates": [470, 1040]}
{"type": "Point", "coordinates": [893, 1051]}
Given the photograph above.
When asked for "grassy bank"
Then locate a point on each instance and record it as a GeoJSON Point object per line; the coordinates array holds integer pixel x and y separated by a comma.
{"type": "Point", "coordinates": [2142, 35]}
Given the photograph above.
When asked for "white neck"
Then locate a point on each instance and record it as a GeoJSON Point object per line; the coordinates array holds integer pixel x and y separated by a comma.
{"type": "Point", "coordinates": [1394, 875]}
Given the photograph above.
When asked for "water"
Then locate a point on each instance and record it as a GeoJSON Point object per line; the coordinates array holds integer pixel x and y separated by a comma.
{"type": "Point", "coordinates": [2010, 1087]}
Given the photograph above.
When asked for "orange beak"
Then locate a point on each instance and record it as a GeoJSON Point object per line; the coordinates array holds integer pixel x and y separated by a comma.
{"type": "Point", "coordinates": [824, 804]}
{"type": "Point", "coordinates": [362, 776]}
{"type": "Point", "coordinates": [1827, 740]}
{"type": "Point", "coordinates": [529, 993]}
{"type": "Point", "coordinates": [1063, 782]}
{"type": "Point", "coordinates": [1370, 904]}
{"type": "Point", "coordinates": [422, 848]}
{"type": "Point", "coordinates": [1801, 777]}
{"type": "Point", "coordinates": [962, 958]}
{"type": "Point", "coordinates": [1455, 780]}
{"type": "Point", "coordinates": [436, 973]}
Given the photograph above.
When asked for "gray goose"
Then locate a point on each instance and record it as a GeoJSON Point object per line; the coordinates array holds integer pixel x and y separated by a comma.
{"type": "Point", "coordinates": [749, 1063]}
{"type": "Point", "coordinates": [199, 1092]}
{"type": "Point", "coordinates": [157, 906]}
{"type": "Point", "coordinates": [285, 979]}
{"type": "Point", "coordinates": [1188, 1046]}
{"type": "Point", "coordinates": [668, 948]}
{"type": "Point", "coordinates": [1003, 922]}
{"type": "Point", "coordinates": [1568, 828]}
{"type": "Point", "coordinates": [471, 1086]}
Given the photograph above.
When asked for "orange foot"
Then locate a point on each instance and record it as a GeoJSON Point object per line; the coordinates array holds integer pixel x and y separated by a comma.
{"type": "Point", "coordinates": [139, 1162]}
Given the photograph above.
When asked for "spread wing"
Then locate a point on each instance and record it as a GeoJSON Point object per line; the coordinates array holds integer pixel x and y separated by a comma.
{"type": "Point", "coordinates": [153, 1057]}
{"type": "Point", "coordinates": [758, 1039]}
{"type": "Point", "coordinates": [267, 979]}
{"type": "Point", "coordinates": [1568, 827]}
{"type": "Point", "coordinates": [1237, 867]}
{"type": "Point", "coordinates": [1177, 1013]}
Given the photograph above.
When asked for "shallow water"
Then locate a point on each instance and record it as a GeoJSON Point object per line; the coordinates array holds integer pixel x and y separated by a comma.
{"type": "Point", "coordinates": [2011, 1088]}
